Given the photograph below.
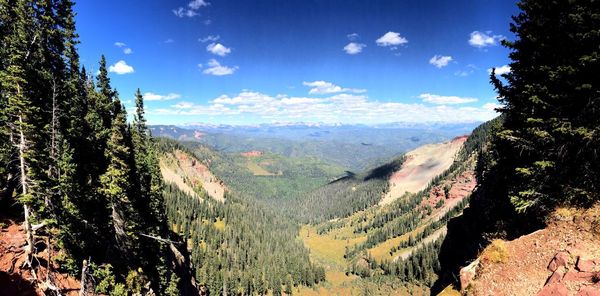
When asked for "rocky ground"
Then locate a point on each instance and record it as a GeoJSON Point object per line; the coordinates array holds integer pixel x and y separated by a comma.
{"type": "Point", "coordinates": [562, 259]}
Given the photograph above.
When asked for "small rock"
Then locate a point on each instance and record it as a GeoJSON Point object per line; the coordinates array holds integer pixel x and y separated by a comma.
{"type": "Point", "coordinates": [556, 289]}
{"type": "Point", "coordinates": [589, 291]}
{"type": "Point", "coordinates": [560, 259]}
{"type": "Point", "coordinates": [556, 277]}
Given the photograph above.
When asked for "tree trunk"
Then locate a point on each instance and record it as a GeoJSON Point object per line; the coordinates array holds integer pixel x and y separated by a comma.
{"type": "Point", "coordinates": [82, 291]}
{"type": "Point", "coordinates": [26, 224]}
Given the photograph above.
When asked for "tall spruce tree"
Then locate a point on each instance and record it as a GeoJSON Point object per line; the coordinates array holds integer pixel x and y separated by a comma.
{"type": "Point", "coordinates": [547, 149]}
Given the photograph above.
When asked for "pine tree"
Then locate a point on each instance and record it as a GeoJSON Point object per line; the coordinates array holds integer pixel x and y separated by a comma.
{"type": "Point", "coordinates": [115, 185]}
{"type": "Point", "coordinates": [547, 147]}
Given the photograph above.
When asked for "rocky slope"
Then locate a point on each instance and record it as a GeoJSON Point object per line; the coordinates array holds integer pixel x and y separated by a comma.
{"type": "Point", "coordinates": [561, 259]}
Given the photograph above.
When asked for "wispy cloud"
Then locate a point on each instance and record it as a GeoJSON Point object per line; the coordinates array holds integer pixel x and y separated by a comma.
{"type": "Point", "coordinates": [126, 50]}
{"type": "Point", "coordinates": [347, 108]}
{"type": "Point", "coordinates": [210, 38]}
{"type": "Point", "coordinates": [484, 39]}
{"type": "Point", "coordinates": [149, 96]}
{"type": "Point", "coordinates": [500, 70]}
{"type": "Point", "coordinates": [468, 70]}
{"type": "Point", "coordinates": [445, 100]}
{"type": "Point", "coordinates": [218, 49]}
{"type": "Point", "coordinates": [353, 36]}
{"type": "Point", "coordinates": [121, 68]}
{"type": "Point", "coordinates": [215, 68]}
{"type": "Point", "coordinates": [440, 61]}
{"type": "Point", "coordinates": [170, 40]}
{"type": "Point", "coordinates": [354, 48]}
{"type": "Point", "coordinates": [191, 10]}
{"type": "Point", "coordinates": [392, 39]}
{"type": "Point", "coordinates": [321, 87]}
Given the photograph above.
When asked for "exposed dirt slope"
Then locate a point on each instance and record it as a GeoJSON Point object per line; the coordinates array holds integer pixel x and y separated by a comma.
{"type": "Point", "coordinates": [187, 173]}
{"type": "Point", "coordinates": [421, 165]}
{"type": "Point", "coordinates": [562, 259]}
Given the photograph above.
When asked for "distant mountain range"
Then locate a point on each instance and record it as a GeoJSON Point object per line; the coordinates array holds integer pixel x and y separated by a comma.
{"type": "Point", "coordinates": [355, 147]}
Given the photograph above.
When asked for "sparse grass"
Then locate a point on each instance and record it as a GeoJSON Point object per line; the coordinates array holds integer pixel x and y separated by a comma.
{"type": "Point", "coordinates": [256, 169]}
{"type": "Point", "coordinates": [496, 252]}
{"type": "Point", "coordinates": [564, 214]}
{"type": "Point", "coordinates": [327, 249]}
{"type": "Point", "coordinates": [449, 291]}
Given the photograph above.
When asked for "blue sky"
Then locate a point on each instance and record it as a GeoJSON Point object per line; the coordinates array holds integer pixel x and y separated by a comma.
{"type": "Point", "coordinates": [349, 61]}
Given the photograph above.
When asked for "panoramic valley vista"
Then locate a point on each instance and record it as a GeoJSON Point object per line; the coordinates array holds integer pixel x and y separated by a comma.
{"type": "Point", "coordinates": [299, 147]}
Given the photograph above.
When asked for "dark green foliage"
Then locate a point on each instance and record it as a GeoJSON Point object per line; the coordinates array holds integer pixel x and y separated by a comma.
{"type": "Point", "coordinates": [547, 147]}
{"type": "Point", "coordinates": [253, 251]}
{"type": "Point", "coordinates": [345, 195]}
{"type": "Point", "coordinates": [69, 156]}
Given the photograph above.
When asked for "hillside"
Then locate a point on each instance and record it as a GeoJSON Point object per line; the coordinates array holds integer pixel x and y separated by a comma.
{"type": "Point", "coordinates": [235, 244]}
{"type": "Point", "coordinates": [398, 239]}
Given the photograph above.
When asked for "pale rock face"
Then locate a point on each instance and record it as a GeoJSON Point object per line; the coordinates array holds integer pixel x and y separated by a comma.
{"type": "Point", "coordinates": [467, 274]}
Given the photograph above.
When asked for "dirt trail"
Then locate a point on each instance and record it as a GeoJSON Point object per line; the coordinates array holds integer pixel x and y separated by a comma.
{"type": "Point", "coordinates": [422, 165]}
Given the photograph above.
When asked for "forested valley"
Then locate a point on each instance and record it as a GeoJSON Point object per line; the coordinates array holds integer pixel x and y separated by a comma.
{"type": "Point", "coordinates": [92, 203]}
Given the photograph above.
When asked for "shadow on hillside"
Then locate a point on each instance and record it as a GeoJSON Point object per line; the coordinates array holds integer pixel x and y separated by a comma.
{"type": "Point", "coordinates": [14, 284]}
{"type": "Point", "coordinates": [386, 170]}
{"type": "Point", "coordinates": [490, 215]}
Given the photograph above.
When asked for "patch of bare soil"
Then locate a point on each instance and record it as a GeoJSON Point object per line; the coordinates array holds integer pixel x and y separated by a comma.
{"type": "Point", "coordinates": [190, 172]}
{"type": "Point", "coordinates": [562, 259]}
{"type": "Point", "coordinates": [16, 277]}
{"type": "Point", "coordinates": [253, 153]}
{"type": "Point", "coordinates": [422, 165]}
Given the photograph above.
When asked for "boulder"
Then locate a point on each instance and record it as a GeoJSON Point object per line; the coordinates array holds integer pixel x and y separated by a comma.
{"type": "Point", "coordinates": [556, 289]}
{"type": "Point", "coordinates": [573, 275]}
{"type": "Point", "coordinates": [587, 265]}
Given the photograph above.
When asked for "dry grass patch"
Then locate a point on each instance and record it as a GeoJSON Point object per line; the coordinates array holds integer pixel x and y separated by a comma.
{"type": "Point", "coordinates": [496, 252]}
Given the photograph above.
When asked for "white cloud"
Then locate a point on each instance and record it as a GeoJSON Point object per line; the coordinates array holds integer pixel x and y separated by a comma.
{"type": "Point", "coordinates": [191, 10]}
{"type": "Point", "coordinates": [321, 87]}
{"type": "Point", "coordinates": [445, 100]}
{"type": "Point", "coordinates": [440, 61]}
{"type": "Point", "coordinates": [354, 48]}
{"type": "Point", "coordinates": [216, 69]}
{"type": "Point", "coordinates": [196, 4]}
{"type": "Point", "coordinates": [149, 96]}
{"type": "Point", "coordinates": [347, 108]}
{"type": "Point", "coordinates": [218, 49]}
{"type": "Point", "coordinates": [120, 44]}
{"type": "Point", "coordinates": [483, 39]}
{"type": "Point", "coordinates": [170, 40]}
{"type": "Point", "coordinates": [211, 38]}
{"type": "Point", "coordinates": [491, 106]}
{"type": "Point", "coordinates": [391, 39]}
{"type": "Point", "coordinates": [501, 70]}
{"type": "Point", "coordinates": [127, 50]}
{"type": "Point", "coordinates": [121, 68]}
